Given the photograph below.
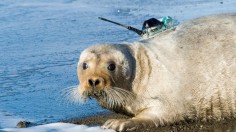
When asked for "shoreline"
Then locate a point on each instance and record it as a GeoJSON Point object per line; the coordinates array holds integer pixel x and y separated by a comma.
{"type": "Point", "coordinates": [224, 125]}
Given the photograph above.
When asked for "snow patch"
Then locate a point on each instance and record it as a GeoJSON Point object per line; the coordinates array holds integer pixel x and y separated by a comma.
{"type": "Point", "coordinates": [58, 127]}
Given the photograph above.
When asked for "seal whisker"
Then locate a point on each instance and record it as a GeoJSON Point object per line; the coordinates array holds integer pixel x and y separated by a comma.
{"type": "Point", "coordinates": [71, 95]}
{"type": "Point", "coordinates": [111, 99]}
{"type": "Point", "coordinates": [64, 95]}
{"type": "Point", "coordinates": [117, 97]}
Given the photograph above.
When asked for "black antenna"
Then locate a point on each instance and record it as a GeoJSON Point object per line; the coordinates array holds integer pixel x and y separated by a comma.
{"type": "Point", "coordinates": [139, 32]}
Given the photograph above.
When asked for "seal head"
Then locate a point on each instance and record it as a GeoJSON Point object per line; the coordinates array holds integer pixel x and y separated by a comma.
{"type": "Point", "coordinates": [106, 73]}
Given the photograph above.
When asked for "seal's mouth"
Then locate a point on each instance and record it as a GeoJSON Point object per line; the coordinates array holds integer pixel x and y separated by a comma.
{"type": "Point", "coordinates": [111, 98]}
{"type": "Point", "coordinates": [93, 93]}
{"type": "Point", "coordinates": [100, 95]}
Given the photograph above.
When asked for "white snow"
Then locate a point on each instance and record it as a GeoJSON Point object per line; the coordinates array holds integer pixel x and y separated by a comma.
{"type": "Point", "coordinates": [40, 43]}
{"type": "Point", "coordinates": [60, 127]}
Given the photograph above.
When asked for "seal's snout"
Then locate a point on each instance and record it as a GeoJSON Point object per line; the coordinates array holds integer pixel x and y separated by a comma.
{"type": "Point", "coordinates": [97, 82]}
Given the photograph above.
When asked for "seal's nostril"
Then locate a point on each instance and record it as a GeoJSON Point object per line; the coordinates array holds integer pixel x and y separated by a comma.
{"type": "Point", "coordinates": [97, 82]}
{"type": "Point", "coordinates": [91, 83]}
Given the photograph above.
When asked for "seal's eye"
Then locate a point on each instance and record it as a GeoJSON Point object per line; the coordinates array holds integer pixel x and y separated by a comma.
{"type": "Point", "coordinates": [111, 67]}
{"type": "Point", "coordinates": [85, 66]}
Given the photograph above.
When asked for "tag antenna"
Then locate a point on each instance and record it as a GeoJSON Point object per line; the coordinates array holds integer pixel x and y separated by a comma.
{"type": "Point", "coordinates": [139, 32]}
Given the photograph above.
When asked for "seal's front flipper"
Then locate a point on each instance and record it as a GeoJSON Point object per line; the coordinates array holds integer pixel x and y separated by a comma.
{"type": "Point", "coordinates": [128, 124]}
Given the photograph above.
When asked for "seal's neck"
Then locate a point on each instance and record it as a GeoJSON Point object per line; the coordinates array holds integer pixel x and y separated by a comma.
{"type": "Point", "coordinates": [158, 66]}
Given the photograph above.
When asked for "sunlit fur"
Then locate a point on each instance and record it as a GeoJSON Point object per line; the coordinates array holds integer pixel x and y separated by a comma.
{"type": "Point", "coordinates": [187, 72]}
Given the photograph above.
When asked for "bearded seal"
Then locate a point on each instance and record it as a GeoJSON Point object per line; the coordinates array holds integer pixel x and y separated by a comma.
{"type": "Point", "coordinates": [188, 72]}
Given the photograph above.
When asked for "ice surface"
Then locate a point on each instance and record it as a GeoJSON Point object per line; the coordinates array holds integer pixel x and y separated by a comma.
{"type": "Point", "coordinates": [8, 120]}
{"type": "Point", "coordinates": [60, 127]}
{"type": "Point", "coordinates": [41, 40]}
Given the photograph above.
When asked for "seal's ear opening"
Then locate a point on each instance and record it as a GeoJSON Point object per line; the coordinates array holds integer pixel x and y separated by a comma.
{"type": "Point", "coordinates": [152, 23]}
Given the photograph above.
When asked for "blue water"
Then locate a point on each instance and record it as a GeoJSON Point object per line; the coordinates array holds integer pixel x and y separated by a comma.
{"type": "Point", "coordinates": [41, 40]}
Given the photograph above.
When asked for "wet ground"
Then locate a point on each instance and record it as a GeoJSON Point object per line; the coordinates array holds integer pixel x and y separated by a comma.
{"type": "Point", "coordinates": [227, 125]}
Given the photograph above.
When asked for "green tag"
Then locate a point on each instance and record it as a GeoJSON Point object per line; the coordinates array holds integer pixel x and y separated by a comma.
{"type": "Point", "coordinates": [168, 22]}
